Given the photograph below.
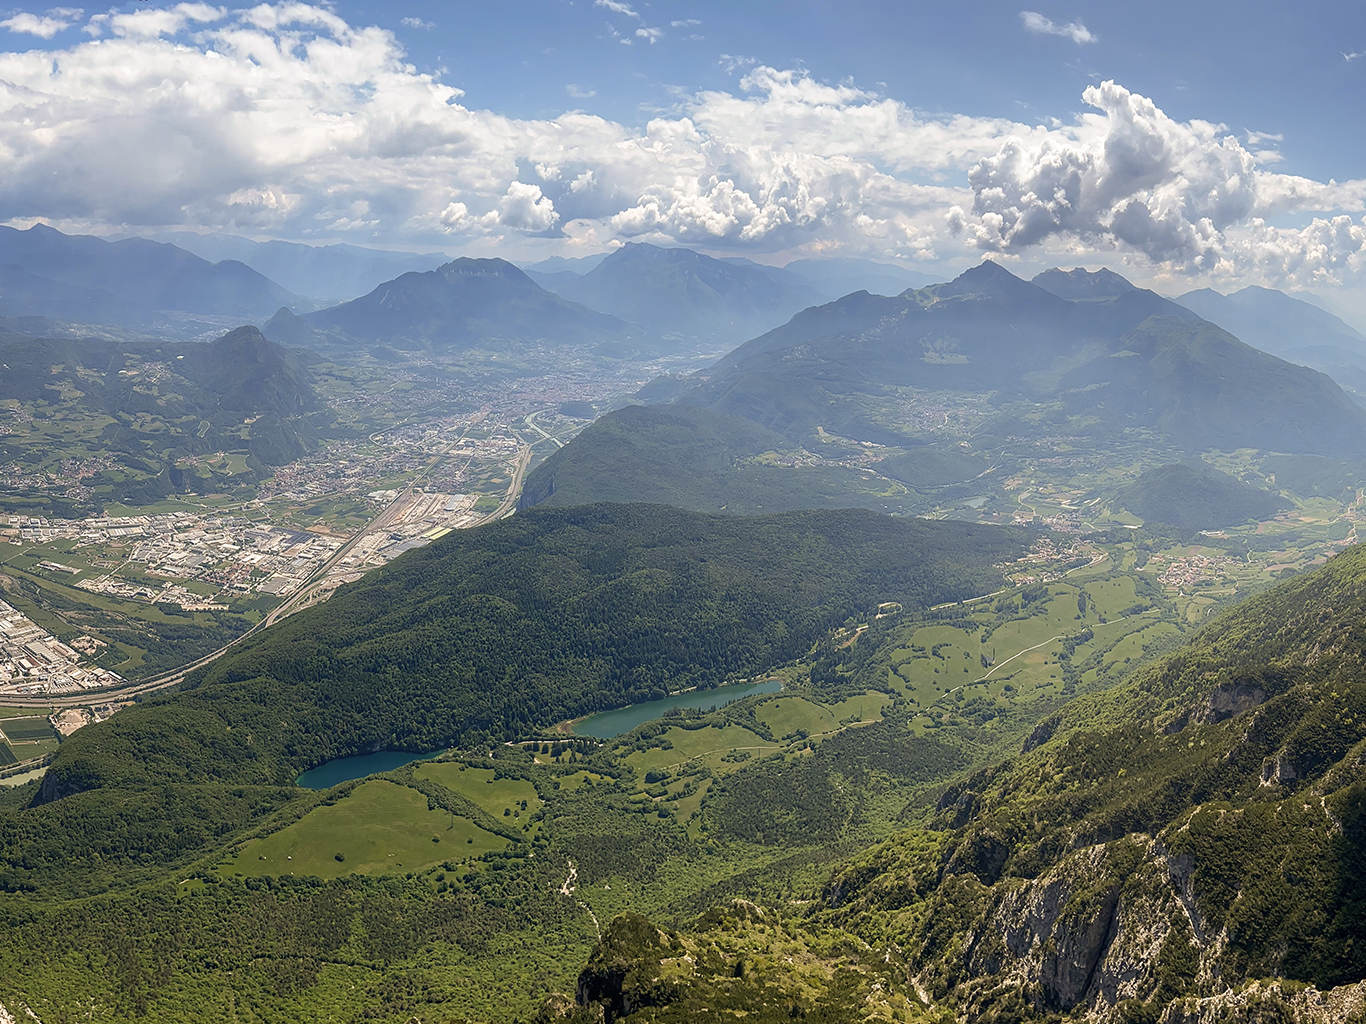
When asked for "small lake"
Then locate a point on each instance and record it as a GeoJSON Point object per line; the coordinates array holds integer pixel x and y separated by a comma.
{"type": "Point", "coordinates": [606, 724]}
{"type": "Point", "coordinates": [344, 769]}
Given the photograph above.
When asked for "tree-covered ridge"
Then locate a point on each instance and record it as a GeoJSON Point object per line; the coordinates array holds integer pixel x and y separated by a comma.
{"type": "Point", "coordinates": [553, 614]}
{"type": "Point", "coordinates": [1197, 497]}
{"type": "Point", "coordinates": [700, 459]}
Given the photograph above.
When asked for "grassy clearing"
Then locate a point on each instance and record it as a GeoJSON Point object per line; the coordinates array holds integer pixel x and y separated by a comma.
{"type": "Point", "coordinates": [479, 786]}
{"type": "Point", "coordinates": [787, 715]}
{"type": "Point", "coordinates": [380, 828]}
{"type": "Point", "coordinates": [708, 746]}
{"type": "Point", "coordinates": [573, 783]}
{"type": "Point", "coordinates": [23, 712]}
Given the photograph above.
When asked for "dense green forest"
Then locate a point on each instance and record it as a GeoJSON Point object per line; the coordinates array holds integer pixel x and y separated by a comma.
{"type": "Point", "coordinates": [491, 634]}
{"type": "Point", "coordinates": [1197, 497]}
{"type": "Point", "coordinates": [700, 459]}
{"type": "Point", "coordinates": [880, 841]}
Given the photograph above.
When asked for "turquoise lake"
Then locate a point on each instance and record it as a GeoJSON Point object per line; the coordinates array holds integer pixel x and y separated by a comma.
{"type": "Point", "coordinates": [606, 724]}
{"type": "Point", "coordinates": [344, 769]}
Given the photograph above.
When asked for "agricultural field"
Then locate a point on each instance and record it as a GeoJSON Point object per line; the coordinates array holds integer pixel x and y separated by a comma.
{"type": "Point", "coordinates": [26, 737]}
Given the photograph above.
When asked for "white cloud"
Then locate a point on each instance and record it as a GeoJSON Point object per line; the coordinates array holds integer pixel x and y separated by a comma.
{"type": "Point", "coordinates": [1354, 55]}
{"type": "Point", "coordinates": [579, 92]}
{"type": "Point", "coordinates": [1037, 24]}
{"type": "Point", "coordinates": [654, 35]}
{"type": "Point", "coordinates": [44, 26]}
{"type": "Point", "coordinates": [618, 7]}
{"type": "Point", "coordinates": [426, 26]}
{"type": "Point", "coordinates": [1187, 195]}
{"type": "Point", "coordinates": [286, 120]}
{"type": "Point", "coordinates": [526, 209]}
{"type": "Point", "coordinates": [685, 23]}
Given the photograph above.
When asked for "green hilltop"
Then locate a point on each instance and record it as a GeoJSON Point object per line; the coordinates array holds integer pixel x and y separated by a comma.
{"type": "Point", "coordinates": [1197, 497]}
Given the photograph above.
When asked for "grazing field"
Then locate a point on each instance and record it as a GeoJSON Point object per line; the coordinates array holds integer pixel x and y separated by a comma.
{"type": "Point", "coordinates": [480, 787]}
{"type": "Point", "coordinates": [708, 746]}
{"type": "Point", "coordinates": [380, 828]}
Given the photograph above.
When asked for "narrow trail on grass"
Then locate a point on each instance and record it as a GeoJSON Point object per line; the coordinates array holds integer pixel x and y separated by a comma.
{"type": "Point", "coordinates": [568, 889]}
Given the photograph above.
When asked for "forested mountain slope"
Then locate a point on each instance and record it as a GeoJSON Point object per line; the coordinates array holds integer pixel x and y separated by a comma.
{"type": "Point", "coordinates": [695, 458]}
{"type": "Point", "coordinates": [1197, 497]}
{"type": "Point", "coordinates": [464, 304]}
{"type": "Point", "coordinates": [552, 614]}
{"type": "Point", "coordinates": [1152, 852]}
{"type": "Point", "coordinates": [149, 410]}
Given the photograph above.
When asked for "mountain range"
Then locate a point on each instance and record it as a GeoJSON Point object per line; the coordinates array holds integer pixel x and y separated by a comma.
{"type": "Point", "coordinates": [147, 276]}
{"type": "Point", "coordinates": [684, 294]}
{"type": "Point", "coordinates": [1074, 353]}
{"type": "Point", "coordinates": [322, 272]}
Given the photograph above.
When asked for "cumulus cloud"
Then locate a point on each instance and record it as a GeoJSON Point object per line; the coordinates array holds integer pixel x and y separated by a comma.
{"type": "Point", "coordinates": [287, 120]}
{"type": "Point", "coordinates": [1038, 25]}
{"type": "Point", "coordinates": [426, 26]}
{"type": "Point", "coordinates": [579, 92]}
{"type": "Point", "coordinates": [654, 35]}
{"type": "Point", "coordinates": [44, 26]}
{"type": "Point", "coordinates": [524, 207]}
{"type": "Point", "coordinates": [1188, 195]}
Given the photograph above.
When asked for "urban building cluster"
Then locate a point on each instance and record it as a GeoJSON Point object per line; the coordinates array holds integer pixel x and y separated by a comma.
{"type": "Point", "coordinates": [33, 661]}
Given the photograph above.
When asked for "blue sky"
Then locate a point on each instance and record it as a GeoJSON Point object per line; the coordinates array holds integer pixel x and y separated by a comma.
{"type": "Point", "coordinates": [1269, 67]}
{"type": "Point", "coordinates": [1183, 143]}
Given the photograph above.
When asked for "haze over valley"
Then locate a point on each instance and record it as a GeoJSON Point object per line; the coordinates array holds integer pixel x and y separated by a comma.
{"type": "Point", "coordinates": [607, 512]}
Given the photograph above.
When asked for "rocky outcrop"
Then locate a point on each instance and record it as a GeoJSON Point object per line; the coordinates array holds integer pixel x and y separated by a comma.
{"type": "Point", "coordinates": [1268, 1002]}
{"type": "Point", "coordinates": [1102, 927]}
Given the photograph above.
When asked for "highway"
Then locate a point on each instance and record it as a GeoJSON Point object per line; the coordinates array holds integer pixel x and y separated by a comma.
{"type": "Point", "coordinates": [307, 594]}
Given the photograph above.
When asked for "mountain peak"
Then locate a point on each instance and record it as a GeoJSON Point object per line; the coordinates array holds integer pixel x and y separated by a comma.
{"type": "Point", "coordinates": [469, 266]}
{"type": "Point", "coordinates": [1080, 283]}
{"type": "Point", "coordinates": [988, 279]}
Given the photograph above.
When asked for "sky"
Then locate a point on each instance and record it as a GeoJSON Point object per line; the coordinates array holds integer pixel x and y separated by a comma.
{"type": "Point", "coordinates": [1184, 144]}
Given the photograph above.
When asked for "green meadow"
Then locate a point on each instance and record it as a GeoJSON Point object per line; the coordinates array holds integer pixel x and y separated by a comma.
{"type": "Point", "coordinates": [379, 828]}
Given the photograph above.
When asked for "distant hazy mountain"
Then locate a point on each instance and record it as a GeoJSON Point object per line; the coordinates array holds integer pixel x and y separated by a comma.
{"type": "Point", "coordinates": [1197, 497]}
{"type": "Point", "coordinates": [1287, 327]}
{"type": "Point", "coordinates": [837, 276]}
{"type": "Point", "coordinates": [332, 272]}
{"type": "Point", "coordinates": [146, 274]}
{"type": "Point", "coordinates": [576, 265]}
{"type": "Point", "coordinates": [1083, 284]}
{"type": "Point", "coordinates": [678, 293]}
{"type": "Point", "coordinates": [467, 303]}
{"type": "Point", "coordinates": [23, 294]}
{"type": "Point", "coordinates": [1122, 358]}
